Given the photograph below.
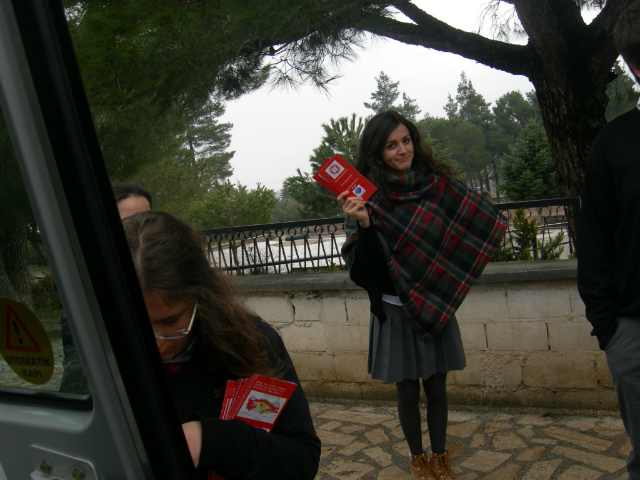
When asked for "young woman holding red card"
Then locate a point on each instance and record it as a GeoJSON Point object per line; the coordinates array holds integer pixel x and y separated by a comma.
{"type": "Point", "coordinates": [205, 338]}
{"type": "Point", "coordinates": [417, 246]}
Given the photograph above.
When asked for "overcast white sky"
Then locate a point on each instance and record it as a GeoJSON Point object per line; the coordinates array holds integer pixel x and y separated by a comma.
{"type": "Point", "coordinates": [275, 132]}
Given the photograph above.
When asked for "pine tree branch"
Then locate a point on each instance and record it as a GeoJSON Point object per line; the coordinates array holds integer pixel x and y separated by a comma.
{"type": "Point", "coordinates": [429, 32]}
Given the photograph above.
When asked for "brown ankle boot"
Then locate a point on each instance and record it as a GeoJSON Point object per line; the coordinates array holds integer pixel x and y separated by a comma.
{"type": "Point", "coordinates": [421, 468]}
{"type": "Point", "coordinates": [441, 466]}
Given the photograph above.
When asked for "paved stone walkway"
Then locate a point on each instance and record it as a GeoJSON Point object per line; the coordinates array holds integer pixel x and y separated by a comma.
{"type": "Point", "coordinates": [366, 442]}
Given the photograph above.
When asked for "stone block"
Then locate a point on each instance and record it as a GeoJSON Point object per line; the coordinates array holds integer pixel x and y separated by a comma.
{"type": "Point", "coordinates": [577, 305]}
{"type": "Point", "coordinates": [304, 336]}
{"type": "Point", "coordinates": [332, 390]}
{"type": "Point", "coordinates": [474, 336]}
{"type": "Point", "coordinates": [602, 371]}
{"type": "Point", "coordinates": [560, 371]}
{"type": "Point", "coordinates": [533, 304]}
{"type": "Point", "coordinates": [473, 373]}
{"type": "Point", "coordinates": [306, 308]}
{"type": "Point", "coordinates": [358, 310]}
{"type": "Point", "coordinates": [513, 373]}
{"type": "Point", "coordinates": [572, 336]}
{"type": "Point", "coordinates": [599, 399]}
{"type": "Point", "coordinates": [523, 336]}
{"type": "Point", "coordinates": [347, 338]}
{"type": "Point", "coordinates": [351, 367]}
{"type": "Point", "coordinates": [535, 397]}
{"type": "Point", "coordinates": [485, 305]}
{"type": "Point", "coordinates": [317, 367]}
{"type": "Point", "coordinates": [333, 310]}
{"type": "Point", "coordinates": [377, 390]}
{"type": "Point", "coordinates": [273, 309]}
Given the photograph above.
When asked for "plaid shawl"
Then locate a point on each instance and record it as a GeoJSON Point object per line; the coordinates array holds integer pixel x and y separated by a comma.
{"type": "Point", "coordinates": [437, 237]}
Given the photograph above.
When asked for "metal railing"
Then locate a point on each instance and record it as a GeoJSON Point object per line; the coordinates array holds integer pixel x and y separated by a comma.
{"type": "Point", "coordinates": [314, 245]}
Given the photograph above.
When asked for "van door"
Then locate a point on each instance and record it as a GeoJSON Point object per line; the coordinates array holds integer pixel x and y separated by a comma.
{"type": "Point", "coordinates": [82, 389]}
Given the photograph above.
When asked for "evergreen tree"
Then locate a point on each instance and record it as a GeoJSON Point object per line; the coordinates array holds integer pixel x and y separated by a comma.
{"type": "Point", "coordinates": [341, 136]}
{"type": "Point", "coordinates": [232, 206]}
{"type": "Point", "coordinates": [528, 171]}
{"type": "Point", "coordinates": [385, 95]}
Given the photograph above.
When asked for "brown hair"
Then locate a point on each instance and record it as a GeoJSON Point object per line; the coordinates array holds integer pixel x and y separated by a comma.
{"type": "Point", "coordinates": [369, 160]}
{"type": "Point", "coordinates": [170, 261]}
{"type": "Point", "coordinates": [627, 35]}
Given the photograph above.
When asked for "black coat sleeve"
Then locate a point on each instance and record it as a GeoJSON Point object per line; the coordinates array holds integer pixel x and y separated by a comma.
{"type": "Point", "coordinates": [236, 450]}
{"type": "Point", "coordinates": [596, 246]}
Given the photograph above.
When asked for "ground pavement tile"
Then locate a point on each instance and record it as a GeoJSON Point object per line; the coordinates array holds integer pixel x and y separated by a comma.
{"type": "Point", "coordinates": [485, 461]}
{"type": "Point", "coordinates": [526, 432]}
{"type": "Point", "coordinates": [507, 472]}
{"type": "Point", "coordinates": [356, 417]}
{"type": "Point", "coordinates": [346, 470]}
{"type": "Point", "coordinates": [382, 457]}
{"type": "Point", "coordinates": [586, 441]}
{"type": "Point", "coordinates": [456, 417]}
{"type": "Point", "coordinates": [329, 425]}
{"type": "Point", "coordinates": [455, 450]}
{"type": "Point", "coordinates": [536, 420]}
{"type": "Point", "coordinates": [544, 441]}
{"type": "Point", "coordinates": [477, 441]}
{"type": "Point", "coordinates": [334, 438]}
{"type": "Point", "coordinates": [531, 454]}
{"type": "Point", "coordinates": [493, 427]}
{"type": "Point", "coordinates": [326, 451]}
{"type": "Point", "coordinates": [468, 476]}
{"type": "Point", "coordinates": [507, 441]}
{"type": "Point", "coordinates": [393, 473]}
{"type": "Point", "coordinates": [542, 470]}
{"type": "Point", "coordinates": [600, 462]}
{"type": "Point", "coordinates": [376, 436]}
{"type": "Point", "coordinates": [608, 427]}
{"type": "Point", "coordinates": [578, 472]}
{"type": "Point", "coordinates": [391, 424]}
{"type": "Point", "coordinates": [463, 430]}
{"type": "Point", "coordinates": [624, 449]}
{"type": "Point", "coordinates": [352, 428]}
{"type": "Point", "coordinates": [352, 448]}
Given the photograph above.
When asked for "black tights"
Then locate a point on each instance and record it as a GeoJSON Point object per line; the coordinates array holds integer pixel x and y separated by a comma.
{"type": "Point", "coordinates": [435, 387]}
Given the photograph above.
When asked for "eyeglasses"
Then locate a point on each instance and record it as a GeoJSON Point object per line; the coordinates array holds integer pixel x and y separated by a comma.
{"type": "Point", "coordinates": [177, 333]}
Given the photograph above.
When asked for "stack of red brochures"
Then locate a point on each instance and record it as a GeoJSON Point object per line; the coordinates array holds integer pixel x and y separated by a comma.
{"type": "Point", "coordinates": [257, 400]}
{"type": "Point", "coordinates": [336, 175]}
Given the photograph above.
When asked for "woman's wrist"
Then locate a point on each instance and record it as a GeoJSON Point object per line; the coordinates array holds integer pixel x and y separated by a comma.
{"type": "Point", "coordinates": [364, 223]}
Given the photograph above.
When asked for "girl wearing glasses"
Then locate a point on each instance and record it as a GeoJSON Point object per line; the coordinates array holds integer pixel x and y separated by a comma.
{"type": "Point", "coordinates": [206, 338]}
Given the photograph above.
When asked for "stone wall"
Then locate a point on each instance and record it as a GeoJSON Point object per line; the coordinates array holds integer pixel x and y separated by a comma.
{"type": "Point", "coordinates": [526, 337]}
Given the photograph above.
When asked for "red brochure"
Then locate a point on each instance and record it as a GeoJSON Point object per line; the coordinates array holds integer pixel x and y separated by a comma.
{"type": "Point", "coordinates": [336, 175]}
{"type": "Point", "coordinates": [257, 400]}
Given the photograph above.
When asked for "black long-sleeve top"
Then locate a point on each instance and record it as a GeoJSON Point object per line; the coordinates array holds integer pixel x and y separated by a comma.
{"type": "Point", "coordinates": [372, 266]}
{"type": "Point", "coordinates": [609, 231]}
{"type": "Point", "coordinates": [234, 449]}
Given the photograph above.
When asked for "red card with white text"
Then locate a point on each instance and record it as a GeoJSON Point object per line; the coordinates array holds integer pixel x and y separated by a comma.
{"type": "Point", "coordinates": [336, 175]}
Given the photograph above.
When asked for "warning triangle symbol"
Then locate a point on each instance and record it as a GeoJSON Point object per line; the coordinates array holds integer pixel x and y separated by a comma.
{"type": "Point", "coordinates": [18, 337]}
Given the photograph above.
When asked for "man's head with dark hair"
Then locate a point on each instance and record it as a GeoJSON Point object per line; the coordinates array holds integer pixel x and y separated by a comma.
{"type": "Point", "coordinates": [627, 36]}
{"type": "Point", "coordinates": [131, 199]}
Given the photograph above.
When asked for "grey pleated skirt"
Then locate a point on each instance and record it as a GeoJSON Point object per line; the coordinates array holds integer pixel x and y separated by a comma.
{"type": "Point", "coordinates": [397, 351]}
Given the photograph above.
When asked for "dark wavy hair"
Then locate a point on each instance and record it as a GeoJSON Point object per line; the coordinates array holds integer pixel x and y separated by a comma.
{"type": "Point", "coordinates": [369, 160]}
{"type": "Point", "coordinates": [169, 258]}
{"type": "Point", "coordinates": [122, 191]}
{"type": "Point", "coordinates": [627, 36]}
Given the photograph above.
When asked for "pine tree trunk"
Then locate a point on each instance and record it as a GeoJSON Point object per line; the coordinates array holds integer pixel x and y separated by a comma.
{"type": "Point", "coordinates": [15, 277]}
{"type": "Point", "coordinates": [564, 111]}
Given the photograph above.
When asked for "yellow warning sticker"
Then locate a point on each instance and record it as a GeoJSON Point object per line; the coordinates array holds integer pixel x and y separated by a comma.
{"type": "Point", "coordinates": [24, 343]}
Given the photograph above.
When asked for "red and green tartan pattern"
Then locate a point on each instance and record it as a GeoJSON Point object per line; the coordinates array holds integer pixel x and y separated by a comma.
{"type": "Point", "coordinates": [437, 238]}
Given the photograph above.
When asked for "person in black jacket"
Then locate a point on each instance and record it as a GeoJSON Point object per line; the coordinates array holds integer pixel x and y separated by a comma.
{"type": "Point", "coordinates": [609, 249]}
{"type": "Point", "coordinates": [205, 338]}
